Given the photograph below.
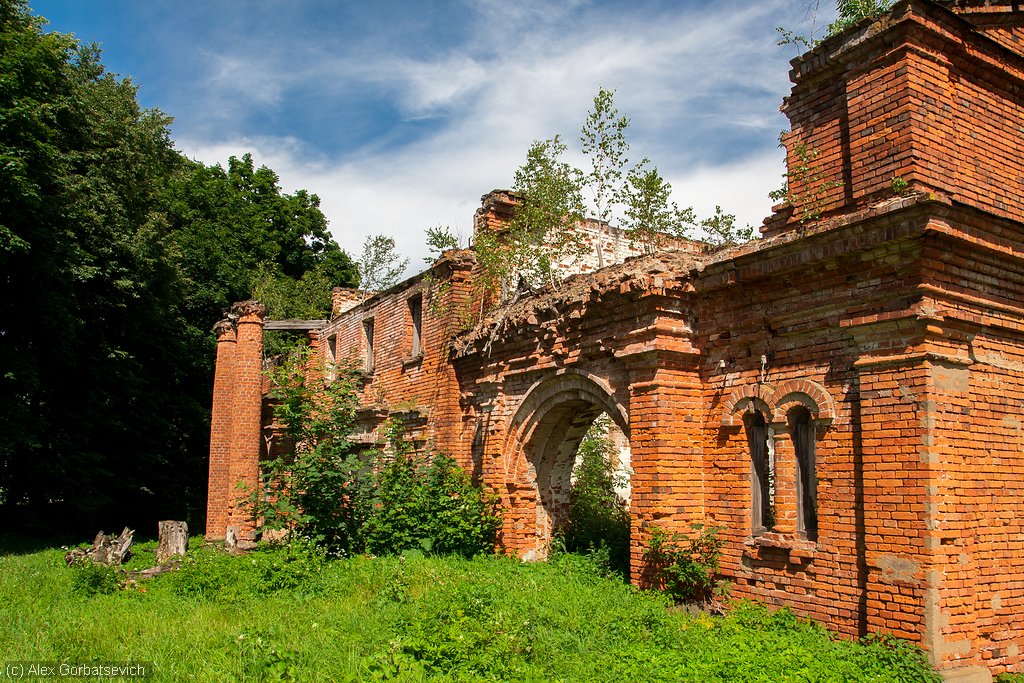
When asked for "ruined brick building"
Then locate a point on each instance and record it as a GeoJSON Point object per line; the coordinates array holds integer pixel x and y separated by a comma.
{"type": "Point", "coordinates": [866, 356]}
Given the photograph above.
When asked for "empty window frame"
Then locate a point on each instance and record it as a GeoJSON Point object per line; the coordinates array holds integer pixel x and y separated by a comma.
{"type": "Point", "coordinates": [801, 428]}
{"type": "Point", "coordinates": [331, 355]}
{"type": "Point", "coordinates": [416, 316]}
{"type": "Point", "coordinates": [368, 343]}
{"type": "Point", "coordinates": [762, 472]}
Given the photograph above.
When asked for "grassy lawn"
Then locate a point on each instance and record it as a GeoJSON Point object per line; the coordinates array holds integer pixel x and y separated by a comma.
{"type": "Point", "coordinates": [264, 616]}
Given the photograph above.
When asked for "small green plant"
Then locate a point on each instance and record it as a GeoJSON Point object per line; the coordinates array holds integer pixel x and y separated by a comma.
{"type": "Point", "coordinates": [686, 563]}
{"type": "Point", "coordinates": [899, 186]}
{"type": "Point", "coordinates": [262, 659]}
{"type": "Point", "coordinates": [1010, 678]}
{"type": "Point", "coordinates": [852, 12]}
{"type": "Point", "coordinates": [720, 229]}
{"type": "Point", "coordinates": [93, 578]}
{"type": "Point", "coordinates": [805, 173]}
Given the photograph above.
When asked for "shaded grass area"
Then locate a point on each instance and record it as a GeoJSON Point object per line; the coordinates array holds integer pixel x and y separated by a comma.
{"type": "Point", "coordinates": [268, 616]}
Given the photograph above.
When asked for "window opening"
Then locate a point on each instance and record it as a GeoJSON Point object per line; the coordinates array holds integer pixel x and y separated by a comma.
{"type": "Point", "coordinates": [368, 343]}
{"type": "Point", "coordinates": [760, 439]}
{"type": "Point", "coordinates": [802, 430]}
{"type": "Point", "coordinates": [332, 355]}
{"type": "Point", "coordinates": [416, 314]}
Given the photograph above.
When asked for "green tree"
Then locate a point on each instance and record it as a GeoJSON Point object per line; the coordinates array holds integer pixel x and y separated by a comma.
{"type": "Point", "coordinates": [440, 239]}
{"type": "Point", "coordinates": [380, 266]}
{"type": "Point", "coordinates": [541, 232]}
{"type": "Point", "coordinates": [649, 213]}
{"type": "Point", "coordinates": [604, 143]}
{"type": "Point", "coordinates": [238, 236]}
{"type": "Point", "coordinates": [88, 400]}
{"type": "Point", "coordinates": [116, 256]}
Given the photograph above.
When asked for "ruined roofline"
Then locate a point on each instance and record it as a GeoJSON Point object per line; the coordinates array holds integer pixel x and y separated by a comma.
{"type": "Point", "coordinates": [842, 47]}
{"type": "Point", "coordinates": [499, 205]}
{"type": "Point", "coordinates": [636, 274]}
{"type": "Point", "coordinates": [453, 258]}
{"type": "Point", "coordinates": [674, 270]}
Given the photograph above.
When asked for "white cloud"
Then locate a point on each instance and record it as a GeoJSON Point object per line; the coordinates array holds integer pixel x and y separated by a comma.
{"type": "Point", "coordinates": [675, 77]}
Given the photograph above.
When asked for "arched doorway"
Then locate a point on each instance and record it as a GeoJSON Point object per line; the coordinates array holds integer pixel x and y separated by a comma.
{"type": "Point", "coordinates": [543, 443]}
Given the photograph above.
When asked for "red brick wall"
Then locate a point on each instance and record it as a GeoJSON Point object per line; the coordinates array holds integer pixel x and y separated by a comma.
{"type": "Point", "coordinates": [924, 96]}
{"type": "Point", "coordinates": [897, 323]}
{"type": "Point", "coordinates": [409, 386]}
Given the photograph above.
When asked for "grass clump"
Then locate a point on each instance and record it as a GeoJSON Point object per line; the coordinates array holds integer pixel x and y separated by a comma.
{"type": "Point", "coordinates": [279, 615]}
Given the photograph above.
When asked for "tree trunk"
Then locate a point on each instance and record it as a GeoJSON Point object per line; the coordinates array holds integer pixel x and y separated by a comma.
{"type": "Point", "coordinates": [173, 540]}
{"type": "Point", "coordinates": [109, 550]}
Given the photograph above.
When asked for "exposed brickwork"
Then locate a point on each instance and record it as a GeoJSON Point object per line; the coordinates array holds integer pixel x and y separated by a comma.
{"type": "Point", "coordinates": [924, 96]}
{"type": "Point", "coordinates": [604, 244]}
{"type": "Point", "coordinates": [883, 343]}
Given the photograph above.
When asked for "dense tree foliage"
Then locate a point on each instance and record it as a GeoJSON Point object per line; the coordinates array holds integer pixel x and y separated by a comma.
{"type": "Point", "coordinates": [116, 256]}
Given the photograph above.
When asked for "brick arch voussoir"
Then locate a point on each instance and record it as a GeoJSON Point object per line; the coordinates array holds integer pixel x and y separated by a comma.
{"type": "Point", "coordinates": [806, 393]}
{"type": "Point", "coordinates": [745, 399]}
{"type": "Point", "coordinates": [551, 391]}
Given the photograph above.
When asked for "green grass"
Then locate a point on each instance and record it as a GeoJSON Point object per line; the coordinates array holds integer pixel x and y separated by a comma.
{"type": "Point", "coordinates": [265, 617]}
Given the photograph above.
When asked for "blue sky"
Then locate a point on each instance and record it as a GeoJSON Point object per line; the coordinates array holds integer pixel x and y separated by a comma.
{"type": "Point", "coordinates": [400, 115]}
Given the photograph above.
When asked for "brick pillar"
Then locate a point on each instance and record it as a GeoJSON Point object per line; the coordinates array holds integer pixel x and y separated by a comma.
{"type": "Point", "coordinates": [220, 432]}
{"type": "Point", "coordinates": [246, 432]}
{"type": "Point", "coordinates": [894, 481]}
{"type": "Point", "coordinates": [785, 480]}
{"type": "Point", "coordinates": [665, 441]}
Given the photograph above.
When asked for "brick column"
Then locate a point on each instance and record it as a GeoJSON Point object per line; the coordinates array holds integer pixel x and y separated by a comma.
{"type": "Point", "coordinates": [665, 440]}
{"type": "Point", "coordinates": [247, 407]}
{"type": "Point", "coordinates": [894, 473]}
{"type": "Point", "coordinates": [785, 480]}
{"type": "Point", "coordinates": [220, 432]}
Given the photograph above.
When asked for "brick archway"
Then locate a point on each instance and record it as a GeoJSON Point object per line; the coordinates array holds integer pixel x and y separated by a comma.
{"type": "Point", "coordinates": [541, 447]}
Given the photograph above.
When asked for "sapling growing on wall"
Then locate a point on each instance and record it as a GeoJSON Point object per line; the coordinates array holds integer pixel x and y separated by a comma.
{"type": "Point", "coordinates": [380, 266]}
{"type": "Point", "coordinates": [650, 215]}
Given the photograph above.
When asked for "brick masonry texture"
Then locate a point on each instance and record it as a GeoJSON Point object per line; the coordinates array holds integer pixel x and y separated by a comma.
{"type": "Point", "coordinates": [893, 323]}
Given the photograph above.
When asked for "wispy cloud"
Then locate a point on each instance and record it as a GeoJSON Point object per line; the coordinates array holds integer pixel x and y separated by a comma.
{"type": "Point", "coordinates": [701, 84]}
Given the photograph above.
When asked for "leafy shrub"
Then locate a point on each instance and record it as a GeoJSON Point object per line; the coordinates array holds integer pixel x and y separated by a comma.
{"type": "Point", "coordinates": [349, 502]}
{"type": "Point", "coordinates": [686, 563]}
{"type": "Point", "coordinates": [427, 504]}
{"type": "Point", "coordinates": [92, 578]}
{"type": "Point", "coordinates": [318, 491]}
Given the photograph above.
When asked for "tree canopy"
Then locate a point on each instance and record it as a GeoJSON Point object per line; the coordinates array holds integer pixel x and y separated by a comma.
{"type": "Point", "coordinates": [117, 255]}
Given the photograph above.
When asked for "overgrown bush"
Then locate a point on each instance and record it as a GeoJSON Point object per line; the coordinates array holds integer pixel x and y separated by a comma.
{"type": "Point", "coordinates": [687, 563]}
{"type": "Point", "coordinates": [426, 504]}
{"type": "Point", "coordinates": [598, 518]}
{"type": "Point", "coordinates": [214, 575]}
{"type": "Point", "coordinates": [93, 578]}
{"type": "Point", "coordinates": [350, 502]}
